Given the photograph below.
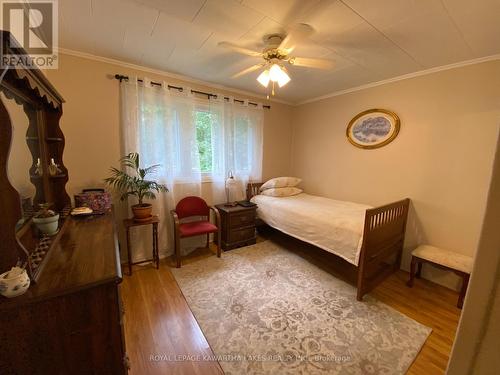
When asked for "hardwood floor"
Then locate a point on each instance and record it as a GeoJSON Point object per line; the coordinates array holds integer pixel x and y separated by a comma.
{"type": "Point", "coordinates": [158, 321]}
{"type": "Point", "coordinates": [431, 305]}
{"type": "Point", "coordinates": [161, 334]}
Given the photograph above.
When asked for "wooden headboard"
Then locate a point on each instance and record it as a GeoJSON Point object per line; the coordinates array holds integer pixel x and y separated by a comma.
{"type": "Point", "coordinates": [253, 189]}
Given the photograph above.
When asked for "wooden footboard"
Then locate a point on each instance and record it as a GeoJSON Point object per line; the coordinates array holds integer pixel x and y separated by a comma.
{"type": "Point", "coordinates": [382, 247]}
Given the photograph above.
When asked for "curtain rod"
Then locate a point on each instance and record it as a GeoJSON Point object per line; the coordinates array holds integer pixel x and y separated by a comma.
{"type": "Point", "coordinates": [208, 94]}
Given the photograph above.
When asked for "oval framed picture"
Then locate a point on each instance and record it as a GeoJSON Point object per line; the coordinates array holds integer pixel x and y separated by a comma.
{"type": "Point", "coordinates": [373, 128]}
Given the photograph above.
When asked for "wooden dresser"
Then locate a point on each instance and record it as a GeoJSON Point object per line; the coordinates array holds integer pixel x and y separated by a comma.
{"type": "Point", "coordinates": [70, 321]}
{"type": "Point", "coordinates": [238, 226]}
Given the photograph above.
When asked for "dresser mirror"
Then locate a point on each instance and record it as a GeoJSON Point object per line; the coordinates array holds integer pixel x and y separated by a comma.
{"type": "Point", "coordinates": [21, 164]}
{"type": "Point", "coordinates": [31, 165]}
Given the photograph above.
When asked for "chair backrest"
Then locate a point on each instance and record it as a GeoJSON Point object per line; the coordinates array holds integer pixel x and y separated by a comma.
{"type": "Point", "coordinates": [192, 206]}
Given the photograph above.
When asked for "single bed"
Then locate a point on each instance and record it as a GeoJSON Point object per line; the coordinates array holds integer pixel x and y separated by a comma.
{"type": "Point", "coordinates": [369, 239]}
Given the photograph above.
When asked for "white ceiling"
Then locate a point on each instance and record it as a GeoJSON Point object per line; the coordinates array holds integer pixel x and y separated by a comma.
{"type": "Point", "coordinates": [370, 40]}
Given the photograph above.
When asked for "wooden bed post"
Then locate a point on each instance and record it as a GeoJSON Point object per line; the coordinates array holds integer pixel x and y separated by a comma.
{"type": "Point", "coordinates": [383, 239]}
{"type": "Point", "coordinates": [253, 189]}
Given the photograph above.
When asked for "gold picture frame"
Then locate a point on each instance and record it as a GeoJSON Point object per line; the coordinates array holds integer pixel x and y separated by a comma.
{"type": "Point", "coordinates": [373, 128]}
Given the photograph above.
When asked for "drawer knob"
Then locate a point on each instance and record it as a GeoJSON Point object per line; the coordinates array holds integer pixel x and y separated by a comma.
{"type": "Point", "coordinates": [126, 361]}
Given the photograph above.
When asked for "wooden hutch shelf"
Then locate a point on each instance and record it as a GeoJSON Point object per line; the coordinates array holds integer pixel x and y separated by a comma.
{"type": "Point", "coordinates": [70, 320]}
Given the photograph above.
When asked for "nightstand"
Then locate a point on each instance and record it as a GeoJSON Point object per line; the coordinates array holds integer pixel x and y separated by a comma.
{"type": "Point", "coordinates": [238, 226]}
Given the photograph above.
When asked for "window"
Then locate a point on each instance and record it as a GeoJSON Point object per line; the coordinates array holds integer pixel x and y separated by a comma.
{"type": "Point", "coordinates": [208, 128]}
{"type": "Point", "coordinates": [193, 139]}
{"type": "Point", "coordinates": [204, 139]}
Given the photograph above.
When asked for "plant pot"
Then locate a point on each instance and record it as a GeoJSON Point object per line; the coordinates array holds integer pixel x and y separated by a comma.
{"type": "Point", "coordinates": [142, 212]}
{"type": "Point", "coordinates": [47, 225]}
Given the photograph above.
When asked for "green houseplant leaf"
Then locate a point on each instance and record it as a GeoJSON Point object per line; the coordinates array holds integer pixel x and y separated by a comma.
{"type": "Point", "coordinates": [135, 184]}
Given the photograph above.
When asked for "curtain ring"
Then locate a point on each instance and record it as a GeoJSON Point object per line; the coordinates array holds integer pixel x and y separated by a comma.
{"type": "Point", "coordinates": [131, 80]}
{"type": "Point", "coordinates": [186, 90]}
{"type": "Point", "coordinates": [146, 82]}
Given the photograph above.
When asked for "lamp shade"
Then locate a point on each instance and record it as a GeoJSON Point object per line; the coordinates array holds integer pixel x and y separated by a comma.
{"type": "Point", "coordinates": [231, 185]}
{"type": "Point", "coordinates": [278, 74]}
{"type": "Point", "coordinates": [230, 181]}
{"type": "Point", "coordinates": [264, 78]}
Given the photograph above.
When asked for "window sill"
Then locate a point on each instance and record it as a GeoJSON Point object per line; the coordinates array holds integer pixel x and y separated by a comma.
{"type": "Point", "coordinates": [206, 178]}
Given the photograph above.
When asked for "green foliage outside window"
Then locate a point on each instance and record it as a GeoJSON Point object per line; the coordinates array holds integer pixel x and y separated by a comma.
{"type": "Point", "coordinates": [154, 114]}
{"type": "Point", "coordinates": [204, 139]}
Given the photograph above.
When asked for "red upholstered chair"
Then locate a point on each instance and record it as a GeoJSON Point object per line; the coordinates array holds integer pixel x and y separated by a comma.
{"type": "Point", "coordinates": [191, 207]}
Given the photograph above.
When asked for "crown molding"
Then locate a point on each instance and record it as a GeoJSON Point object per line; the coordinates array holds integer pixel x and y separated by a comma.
{"type": "Point", "coordinates": [180, 77]}
{"type": "Point", "coordinates": [402, 77]}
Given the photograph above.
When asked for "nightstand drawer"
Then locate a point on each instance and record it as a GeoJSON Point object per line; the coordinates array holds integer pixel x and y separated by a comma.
{"type": "Point", "coordinates": [237, 235]}
{"type": "Point", "coordinates": [237, 226]}
{"type": "Point", "coordinates": [242, 219]}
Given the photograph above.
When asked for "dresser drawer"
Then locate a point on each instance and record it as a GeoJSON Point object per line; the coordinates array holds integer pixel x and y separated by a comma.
{"type": "Point", "coordinates": [238, 235]}
{"type": "Point", "coordinates": [242, 219]}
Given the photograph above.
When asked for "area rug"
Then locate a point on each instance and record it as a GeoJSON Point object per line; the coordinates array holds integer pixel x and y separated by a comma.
{"type": "Point", "coordinates": [266, 310]}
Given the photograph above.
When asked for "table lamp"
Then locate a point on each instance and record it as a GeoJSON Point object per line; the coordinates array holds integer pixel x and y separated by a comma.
{"type": "Point", "coordinates": [230, 184]}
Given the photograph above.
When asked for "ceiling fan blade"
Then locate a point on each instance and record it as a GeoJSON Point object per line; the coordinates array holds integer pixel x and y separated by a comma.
{"type": "Point", "coordinates": [239, 49]}
{"type": "Point", "coordinates": [248, 70]}
{"type": "Point", "coordinates": [296, 34]}
{"type": "Point", "coordinates": [311, 63]}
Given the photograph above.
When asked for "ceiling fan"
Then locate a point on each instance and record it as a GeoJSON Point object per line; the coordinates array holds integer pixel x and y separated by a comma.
{"type": "Point", "coordinates": [278, 53]}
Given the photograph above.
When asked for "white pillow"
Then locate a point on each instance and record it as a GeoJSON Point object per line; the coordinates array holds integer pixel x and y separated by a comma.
{"type": "Point", "coordinates": [280, 182]}
{"type": "Point", "coordinates": [282, 191]}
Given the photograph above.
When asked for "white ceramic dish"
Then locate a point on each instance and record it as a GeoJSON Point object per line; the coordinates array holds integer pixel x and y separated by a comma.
{"type": "Point", "coordinates": [15, 282]}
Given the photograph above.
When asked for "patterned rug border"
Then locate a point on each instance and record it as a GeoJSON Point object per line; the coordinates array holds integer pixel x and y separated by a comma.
{"type": "Point", "coordinates": [367, 299]}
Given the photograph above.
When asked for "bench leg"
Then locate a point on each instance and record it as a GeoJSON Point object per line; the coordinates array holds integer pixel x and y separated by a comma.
{"type": "Point", "coordinates": [418, 275]}
{"type": "Point", "coordinates": [412, 271]}
{"type": "Point", "coordinates": [463, 291]}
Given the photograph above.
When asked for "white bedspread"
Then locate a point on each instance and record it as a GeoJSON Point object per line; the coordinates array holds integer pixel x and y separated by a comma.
{"type": "Point", "coordinates": [334, 226]}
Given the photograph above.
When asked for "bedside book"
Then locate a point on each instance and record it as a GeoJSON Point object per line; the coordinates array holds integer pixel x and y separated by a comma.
{"type": "Point", "coordinates": [246, 204]}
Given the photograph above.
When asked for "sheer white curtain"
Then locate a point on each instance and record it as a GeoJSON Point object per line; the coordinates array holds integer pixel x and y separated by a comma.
{"type": "Point", "coordinates": [237, 144]}
{"type": "Point", "coordinates": [196, 141]}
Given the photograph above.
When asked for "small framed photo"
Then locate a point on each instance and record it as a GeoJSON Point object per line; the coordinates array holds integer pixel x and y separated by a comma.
{"type": "Point", "coordinates": [373, 128]}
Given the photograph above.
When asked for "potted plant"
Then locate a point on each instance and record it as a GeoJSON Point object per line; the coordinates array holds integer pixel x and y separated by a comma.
{"type": "Point", "coordinates": [47, 221]}
{"type": "Point", "coordinates": [136, 184]}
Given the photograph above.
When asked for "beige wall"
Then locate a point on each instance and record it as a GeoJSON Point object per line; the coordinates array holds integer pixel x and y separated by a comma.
{"type": "Point", "coordinates": [441, 159]}
{"type": "Point", "coordinates": [90, 120]}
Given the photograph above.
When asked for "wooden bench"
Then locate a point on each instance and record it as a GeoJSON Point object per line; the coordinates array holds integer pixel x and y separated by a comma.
{"type": "Point", "coordinates": [449, 260]}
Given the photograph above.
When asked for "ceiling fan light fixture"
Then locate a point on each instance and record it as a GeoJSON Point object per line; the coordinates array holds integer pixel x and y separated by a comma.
{"type": "Point", "coordinates": [276, 55]}
{"type": "Point", "coordinates": [264, 78]}
{"type": "Point", "coordinates": [283, 79]}
{"type": "Point", "coordinates": [278, 74]}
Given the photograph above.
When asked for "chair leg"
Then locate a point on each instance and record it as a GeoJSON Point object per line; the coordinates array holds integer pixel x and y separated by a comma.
{"type": "Point", "coordinates": [208, 240]}
{"type": "Point", "coordinates": [463, 291]}
{"type": "Point", "coordinates": [219, 244]}
{"type": "Point", "coordinates": [412, 272]}
{"type": "Point", "coordinates": [177, 251]}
